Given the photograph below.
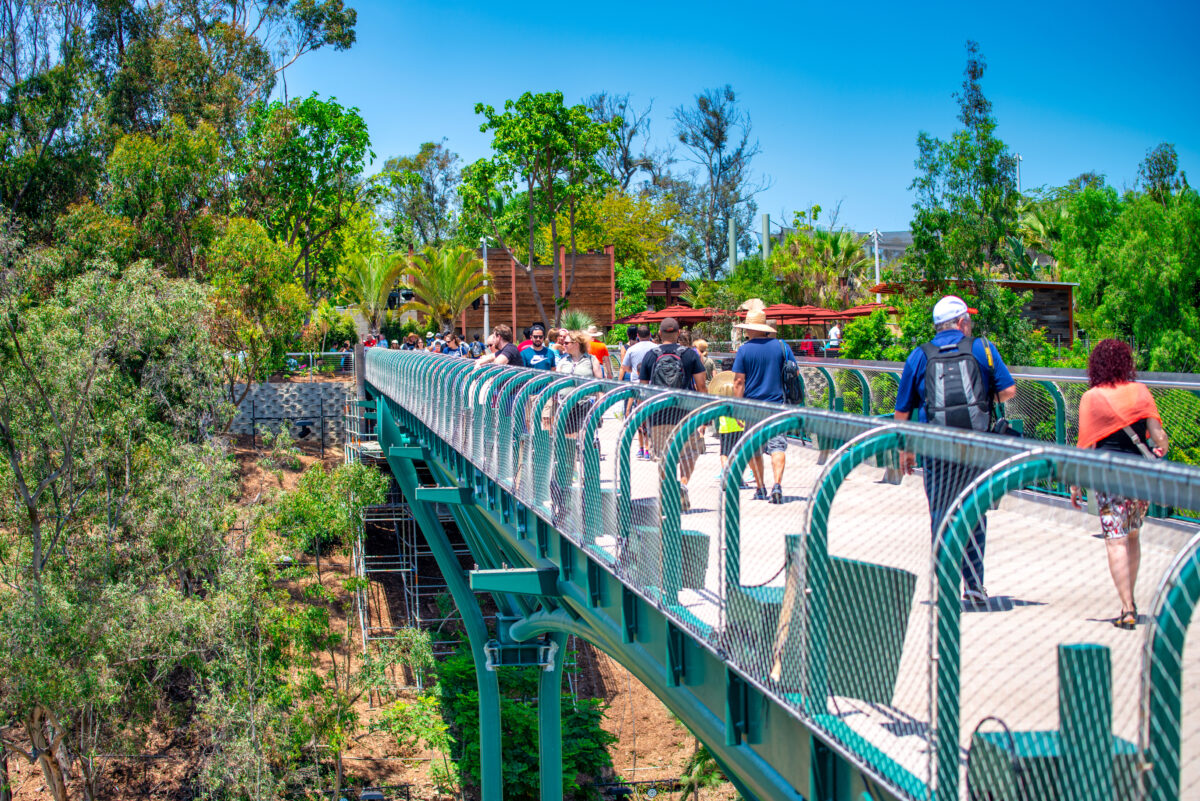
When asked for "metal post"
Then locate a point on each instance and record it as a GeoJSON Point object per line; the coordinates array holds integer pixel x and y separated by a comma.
{"type": "Point", "coordinates": [731, 227]}
{"type": "Point", "coordinates": [487, 323]}
{"type": "Point", "coordinates": [1085, 721]}
{"type": "Point", "coordinates": [550, 722]}
{"type": "Point", "coordinates": [1019, 159]}
{"type": "Point", "coordinates": [766, 243]}
{"type": "Point", "coordinates": [875, 245]}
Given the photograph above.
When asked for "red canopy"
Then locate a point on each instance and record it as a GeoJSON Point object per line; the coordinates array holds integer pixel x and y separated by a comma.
{"type": "Point", "coordinates": [684, 314]}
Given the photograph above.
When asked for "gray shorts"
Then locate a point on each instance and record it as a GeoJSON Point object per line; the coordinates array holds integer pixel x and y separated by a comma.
{"type": "Point", "coordinates": [776, 444]}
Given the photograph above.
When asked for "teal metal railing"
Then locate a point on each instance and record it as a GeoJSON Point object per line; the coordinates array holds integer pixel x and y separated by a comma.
{"type": "Point", "coordinates": [843, 604]}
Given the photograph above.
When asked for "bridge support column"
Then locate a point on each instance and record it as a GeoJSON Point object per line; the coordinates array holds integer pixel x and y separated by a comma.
{"type": "Point", "coordinates": [477, 634]}
{"type": "Point", "coordinates": [550, 722]}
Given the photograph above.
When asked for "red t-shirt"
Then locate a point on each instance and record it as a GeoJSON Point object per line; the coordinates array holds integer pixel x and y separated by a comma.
{"type": "Point", "coordinates": [526, 344]}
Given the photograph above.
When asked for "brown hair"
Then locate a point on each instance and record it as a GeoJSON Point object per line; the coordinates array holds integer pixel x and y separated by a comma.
{"type": "Point", "coordinates": [1110, 363]}
{"type": "Point", "coordinates": [503, 332]}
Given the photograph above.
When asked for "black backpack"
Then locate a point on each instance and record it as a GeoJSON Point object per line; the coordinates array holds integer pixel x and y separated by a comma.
{"type": "Point", "coordinates": [955, 391]}
{"type": "Point", "coordinates": [668, 369]}
{"type": "Point", "coordinates": [793, 387]}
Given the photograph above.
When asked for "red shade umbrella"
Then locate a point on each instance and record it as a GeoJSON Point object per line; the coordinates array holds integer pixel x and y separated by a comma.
{"type": "Point", "coordinates": [684, 314]}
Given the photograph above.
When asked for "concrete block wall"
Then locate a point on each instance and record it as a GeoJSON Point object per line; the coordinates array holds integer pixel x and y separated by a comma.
{"type": "Point", "coordinates": [295, 401]}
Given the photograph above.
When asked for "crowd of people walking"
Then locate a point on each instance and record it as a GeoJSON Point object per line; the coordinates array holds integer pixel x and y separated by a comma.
{"type": "Point", "coordinates": [955, 379]}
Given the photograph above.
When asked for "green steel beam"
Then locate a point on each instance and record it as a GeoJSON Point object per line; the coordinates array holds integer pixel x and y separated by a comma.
{"type": "Point", "coordinates": [1060, 411]}
{"type": "Point", "coordinates": [593, 519]}
{"type": "Point", "coordinates": [477, 634]}
{"type": "Point", "coordinates": [523, 580]}
{"type": "Point", "coordinates": [447, 495]}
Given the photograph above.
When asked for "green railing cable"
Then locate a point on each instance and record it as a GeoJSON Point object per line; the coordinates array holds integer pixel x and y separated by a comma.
{"type": "Point", "coordinates": [540, 444]}
{"type": "Point", "coordinates": [542, 384]}
{"type": "Point", "coordinates": [642, 413]}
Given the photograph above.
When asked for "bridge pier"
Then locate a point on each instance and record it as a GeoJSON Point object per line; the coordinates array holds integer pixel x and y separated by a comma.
{"type": "Point", "coordinates": [402, 468]}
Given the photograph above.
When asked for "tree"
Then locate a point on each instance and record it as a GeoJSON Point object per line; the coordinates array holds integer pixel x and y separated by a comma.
{"type": "Point", "coordinates": [165, 184]}
{"type": "Point", "coordinates": [369, 280]}
{"type": "Point", "coordinates": [965, 214]}
{"type": "Point", "coordinates": [420, 194]}
{"type": "Point", "coordinates": [445, 281]}
{"type": "Point", "coordinates": [1159, 173]}
{"type": "Point", "coordinates": [256, 304]}
{"type": "Point", "coordinates": [715, 133]}
{"type": "Point", "coordinates": [966, 205]}
{"type": "Point", "coordinates": [822, 268]}
{"type": "Point", "coordinates": [629, 157]}
{"type": "Point", "coordinates": [112, 511]}
{"type": "Point", "coordinates": [639, 228]}
{"type": "Point", "coordinates": [300, 177]}
{"type": "Point", "coordinates": [553, 150]}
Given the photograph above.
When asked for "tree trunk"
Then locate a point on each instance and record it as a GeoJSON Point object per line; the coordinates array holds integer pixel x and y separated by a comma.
{"type": "Point", "coordinates": [537, 295]}
{"type": "Point", "coordinates": [47, 755]}
{"type": "Point", "coordinates": [5, 786]}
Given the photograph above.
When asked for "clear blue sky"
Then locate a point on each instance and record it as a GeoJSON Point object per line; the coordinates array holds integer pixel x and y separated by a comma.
{"type": "Point", "coordinates": [836, 92]}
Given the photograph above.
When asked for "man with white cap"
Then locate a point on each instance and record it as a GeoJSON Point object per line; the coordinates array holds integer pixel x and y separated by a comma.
{"type": "Point", "coordinates": [758, 375]}
{"type": "Point", "coordinates": [954, 380]}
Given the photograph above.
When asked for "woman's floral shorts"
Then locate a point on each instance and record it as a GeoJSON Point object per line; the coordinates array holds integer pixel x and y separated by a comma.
{"type": "Point", "coordinates": [1120, 515]}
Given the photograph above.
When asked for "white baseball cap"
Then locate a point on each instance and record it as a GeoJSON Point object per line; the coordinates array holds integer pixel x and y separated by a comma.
{"type": "Point", "coordinates": [949, 308]}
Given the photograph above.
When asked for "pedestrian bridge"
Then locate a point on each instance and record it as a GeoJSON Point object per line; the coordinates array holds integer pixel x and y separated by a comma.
{"type": "Point", "coordinates": [820, 647]}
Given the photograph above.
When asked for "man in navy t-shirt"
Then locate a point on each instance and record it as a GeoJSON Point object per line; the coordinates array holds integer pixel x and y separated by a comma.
{"type": "Point", "coordinates": [944, 479]}
{"type": "Point", "coordinates": [758, 375]}
{"type": "Point", "coordinates": [538, 355]}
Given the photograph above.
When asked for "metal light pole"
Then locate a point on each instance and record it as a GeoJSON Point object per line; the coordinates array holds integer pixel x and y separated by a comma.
{"type": "Point", "coordinates": [875, 245]}
{"type": "Point", "coordinates": [487, 322]}
{"type": "Point", "coordinates": [1019, 173]}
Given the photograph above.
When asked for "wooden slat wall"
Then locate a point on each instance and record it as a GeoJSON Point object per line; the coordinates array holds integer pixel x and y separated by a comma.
{"type": "Point", "coordinates": [592, 293]}
{"type": "Point", "coordinates": [1050, 308]}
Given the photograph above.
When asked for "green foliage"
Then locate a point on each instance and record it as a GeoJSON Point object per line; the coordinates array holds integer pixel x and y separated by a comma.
{"type": "Point", "coordinates": [822, 268]}
{"type": "Point", "coordinates": [446, 281]}
{"type": "Point", "coordinates": [585, 743]}
{"type": "Point", "coordinates": [256, 306]}
{"type": "Point", "coordinates": [575, 320]}
{"type": "Point", "coordinates": [326, 507]}
{"type": "Point", "coordinates": [632, 284]}
{"type": "Point", "coordinates": [867, 337]}
{"type": "Point", "coordinates": [164, 184]}
{"type": "Point", "coordinates": [299, 170]}
{"type": "Point", "coordinates": [369, 279]}
{"type": "Point", "coordinates": [419, 195]}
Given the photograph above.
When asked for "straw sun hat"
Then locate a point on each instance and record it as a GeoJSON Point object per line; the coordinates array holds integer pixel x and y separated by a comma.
{"type": "Point", "coordinates": [722, 384]}
{"type": "Point", "coordinates": [756, 320]}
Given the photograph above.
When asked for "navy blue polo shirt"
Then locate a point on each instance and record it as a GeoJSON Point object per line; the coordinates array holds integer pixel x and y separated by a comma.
{"type": "Point", "coordinates": [911, 394]}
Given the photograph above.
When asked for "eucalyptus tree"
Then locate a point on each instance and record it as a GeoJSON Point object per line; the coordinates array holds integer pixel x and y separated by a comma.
{"type": "Point", "coordinates": [716, 137]}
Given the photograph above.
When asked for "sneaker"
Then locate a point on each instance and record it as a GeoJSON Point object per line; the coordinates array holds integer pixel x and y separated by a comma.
{"type": "Point", "coordinates": [760, 494]}
{"type": "Point", "coordinates": [776, 494]}
{"type": "Point", "coordinates": [976, 596]}
{"type": "Point", "coordinates": [643, 454]}
{"type": "Point", "coordinates": [685, 503]}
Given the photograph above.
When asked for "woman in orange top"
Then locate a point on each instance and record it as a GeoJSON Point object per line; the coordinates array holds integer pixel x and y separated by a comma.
{"type": "Point", "coordinates": [1119, 414]}
{"type": "Point", "coordinates": [598, 349]}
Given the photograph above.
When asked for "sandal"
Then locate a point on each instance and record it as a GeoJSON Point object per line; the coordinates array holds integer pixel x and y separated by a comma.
{"type": "Point", "coordinates": [1127, 620]}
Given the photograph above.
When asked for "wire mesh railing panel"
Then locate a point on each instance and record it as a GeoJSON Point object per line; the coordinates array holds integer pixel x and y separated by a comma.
{"type": "Point", "coordinates": [761, 531]}
{"type": "Point", "coordinates": [1049, 664]}
{"type": "Point", "coordinates": [816, 387]}
{"type": "Point", "coordinates": [883, 387]}
{"type": "Point", "coordinates": [950, 631]}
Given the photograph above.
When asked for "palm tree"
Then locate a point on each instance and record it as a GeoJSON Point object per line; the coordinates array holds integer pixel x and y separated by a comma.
{"type": "Point", "coordinates": [822, 267]}
{"type": "Point", "coordinates": [369, 280]}
{"type": "Point", "coordinates": [445, 281]}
